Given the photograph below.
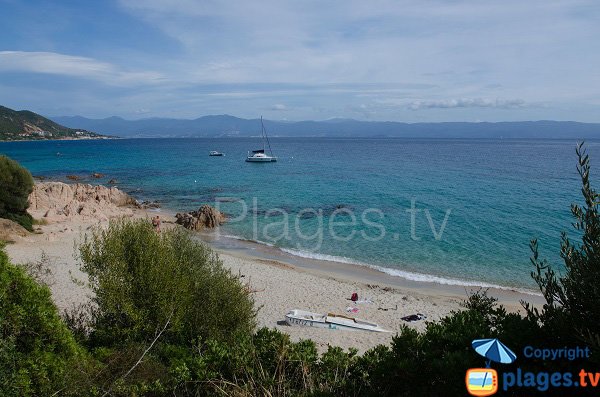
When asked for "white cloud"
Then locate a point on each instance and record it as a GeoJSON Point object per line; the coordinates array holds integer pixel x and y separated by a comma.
{"type": "Point", "coordinates": [279, 107]}
{"type": "Point", "coordinates": [463, 47]}
{"type": "Point", "coordinates": [468, 103]}
{"type": "Point", "coordinates": [76, 66]}
{"type": "Point", "coordinates": [349, 58]}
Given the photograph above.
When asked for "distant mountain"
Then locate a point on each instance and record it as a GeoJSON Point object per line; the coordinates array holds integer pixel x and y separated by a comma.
{"type": "Point", "coordinates": [207, 126]}
{"type": "Point", "coordinates": [25, 125]}
{"type": "Point", "coordinates": [230, 126]}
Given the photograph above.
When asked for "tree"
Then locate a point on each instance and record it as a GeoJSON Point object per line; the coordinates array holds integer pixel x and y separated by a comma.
{"type": "Point", "coordinates": [16, 184]}
{"type": "Point", "coordinates": [572, 298]}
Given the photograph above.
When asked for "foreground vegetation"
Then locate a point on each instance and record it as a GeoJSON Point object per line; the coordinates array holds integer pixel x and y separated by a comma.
{"type": "Point", "coordinates": [16, 183]}
{"type": "Point", "coordinates": [167, 319]}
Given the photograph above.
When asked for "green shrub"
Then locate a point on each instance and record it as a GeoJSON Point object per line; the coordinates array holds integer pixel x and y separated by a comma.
{"type": "Point", "coordinates": [145, 282]}
{"type": "Point", "coordinates": [572, 311]}
{"type": "Point", "coordinates": [37, 351]}
{"type": "Point", "coordinates": [264, 364]}
{"type": "Point", "coordinates": [16, 184]}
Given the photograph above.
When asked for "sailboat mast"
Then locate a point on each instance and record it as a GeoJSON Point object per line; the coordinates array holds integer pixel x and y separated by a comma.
{"type": "Point", "coordinates": [262, 132]}
{"type": "Point", "coordinates": [265, 137]}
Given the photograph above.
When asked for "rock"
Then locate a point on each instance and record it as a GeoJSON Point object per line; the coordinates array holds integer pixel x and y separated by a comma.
{"type": "Point", "coordinates": [112, 182]}
{"type": "Point", "coordinates": [97, 175]}
{"type": "Point", "coordinates": [73, 177]}
{"type": "Point", "coordinates": [10, 230]}
{"type": "Point", "coordinates": [57, 201]}
{"type": "Point", "coordinates": [206, 217]}
{"type": "Point", "coordinates": [227, 199]}
{"type": "Point", "coordinates": [147, 204]}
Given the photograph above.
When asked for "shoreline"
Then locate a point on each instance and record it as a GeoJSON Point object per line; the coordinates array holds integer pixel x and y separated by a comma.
{"type": "Point", "coordinates": [363, 274]}
{"type": "Point", "coordinates": [298, 257]}
{"type": "Point", "coordinates": [61, 139]}
{"type": "Point", "coordinates": [277, 281]}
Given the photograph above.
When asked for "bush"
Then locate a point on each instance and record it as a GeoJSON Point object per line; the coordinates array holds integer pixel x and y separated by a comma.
{"type": "Point", "coordinates": [571, 311]}
{"type": "Point", "coordinates": [37, 351]}
{"type": "Point", "coordinates": [16, 184]}
{"type": "Point", "coordinates": [146, 282]}
{"type": "Point", "coordinates": [264, 364]}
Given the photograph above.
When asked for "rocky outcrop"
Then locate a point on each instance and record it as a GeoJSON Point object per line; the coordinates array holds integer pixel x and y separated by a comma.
{"type": "Point", "coordinates": [206, 217]}
{"type": "Point", "coordinates": [57, 201]}
{"type": "Point", "coordinates": [144, 205]}
{"type": "Point", "coordinates": [11, 231]}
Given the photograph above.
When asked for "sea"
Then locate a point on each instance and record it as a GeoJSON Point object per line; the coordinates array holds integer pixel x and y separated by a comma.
{"type": "Point", "coordinates": [451, 211]}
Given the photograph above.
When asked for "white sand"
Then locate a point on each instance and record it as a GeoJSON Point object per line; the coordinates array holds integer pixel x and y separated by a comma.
{"type": "Point", "coordinates": [282, 287]}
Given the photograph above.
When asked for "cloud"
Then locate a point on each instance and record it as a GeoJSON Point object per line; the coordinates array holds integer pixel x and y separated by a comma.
{"type": "Point", "coordinates": [279, 107]}
{"type": "Point", "coordinates": [341, 58]}
{"type": "Point", "coordinates": [468, 103]}
{"type": "Point", "coordinates": [75, 66]}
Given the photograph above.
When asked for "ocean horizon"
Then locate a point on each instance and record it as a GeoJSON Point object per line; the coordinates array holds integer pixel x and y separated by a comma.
{"type": "Point", "coordinates": [450, 211]}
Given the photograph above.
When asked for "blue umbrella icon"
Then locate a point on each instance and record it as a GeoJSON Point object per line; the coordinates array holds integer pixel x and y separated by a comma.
{"type": "Point", "coordinates": [494, 350]}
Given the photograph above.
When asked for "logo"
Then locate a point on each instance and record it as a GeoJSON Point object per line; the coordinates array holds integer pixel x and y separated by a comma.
{"type": "Point", "coordinates": [482, 381]}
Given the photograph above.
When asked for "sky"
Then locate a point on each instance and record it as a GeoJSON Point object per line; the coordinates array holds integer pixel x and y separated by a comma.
{"type": "Point", "coordinates": [412, 61]}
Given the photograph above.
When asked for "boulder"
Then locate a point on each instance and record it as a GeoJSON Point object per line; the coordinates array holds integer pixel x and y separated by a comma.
{"type": "Point", "coordinates": [97, 175]}
{"type": "Point", "coordinates": [10, 230]}
{"type": "Point", "coordinates": [147, 204]}
{"type": "Point", "coordinates": [206, 217]}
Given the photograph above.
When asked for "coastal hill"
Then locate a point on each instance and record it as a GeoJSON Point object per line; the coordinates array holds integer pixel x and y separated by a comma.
{"type": "Point", "coordinates": [230, 126]}
{"type": "Point", "coordinates": [26, 125]}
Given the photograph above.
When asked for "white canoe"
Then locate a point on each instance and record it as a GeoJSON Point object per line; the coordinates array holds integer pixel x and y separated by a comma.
{"type": "Point", "coordinates": [331, 321]}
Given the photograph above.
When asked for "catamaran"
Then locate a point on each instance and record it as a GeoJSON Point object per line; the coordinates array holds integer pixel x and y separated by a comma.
{"type": "Point", "coordinates": [259, 156]}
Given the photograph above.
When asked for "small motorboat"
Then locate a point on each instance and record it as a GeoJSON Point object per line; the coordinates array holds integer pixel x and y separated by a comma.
{"type": "Point", "coordinates": [215, 153]}
{"type": "Point", "coordinates": [331, 321]}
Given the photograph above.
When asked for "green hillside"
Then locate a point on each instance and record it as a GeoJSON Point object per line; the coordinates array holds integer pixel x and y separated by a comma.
{"type": "Point", "coordinates": [26, 125]}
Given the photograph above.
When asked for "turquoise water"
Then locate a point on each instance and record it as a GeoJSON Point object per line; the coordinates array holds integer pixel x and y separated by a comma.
{"type": "Point", "coordinates": [494, 195]}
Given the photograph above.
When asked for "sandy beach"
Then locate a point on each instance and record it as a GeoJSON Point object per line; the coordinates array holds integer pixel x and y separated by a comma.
{"type": "Point", "coordinates": [277, 285]}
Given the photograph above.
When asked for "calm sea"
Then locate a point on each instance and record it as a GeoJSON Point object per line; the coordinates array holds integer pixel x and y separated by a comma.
{"type": "Point", "coordinates": [454, 211]}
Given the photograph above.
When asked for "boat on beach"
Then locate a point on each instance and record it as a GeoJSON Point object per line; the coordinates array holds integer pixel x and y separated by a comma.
{"type": "Point", "coordinates": [260, 156]}
{"type": "Point", "coordinates": [214, 153]}
{"type": "Point", "coordinates": [331, 321]}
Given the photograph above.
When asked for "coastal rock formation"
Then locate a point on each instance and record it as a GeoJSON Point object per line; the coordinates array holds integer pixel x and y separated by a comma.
{"type": "Point", "coordinates": [206, 217]}
{"type": "Point", "coordinates": [57, 201]}
{"type": "Point", "coordinates": [147, 205]}
{"type": "Point", "coordinates": [10, 231]}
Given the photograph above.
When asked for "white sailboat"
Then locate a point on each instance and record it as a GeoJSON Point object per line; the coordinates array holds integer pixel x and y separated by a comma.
{"type": "Point", "coordinates": [260, 156]}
